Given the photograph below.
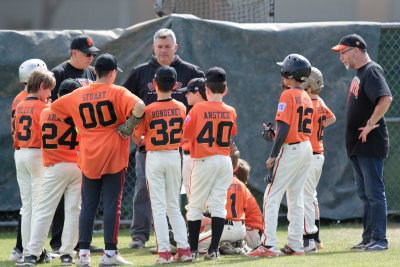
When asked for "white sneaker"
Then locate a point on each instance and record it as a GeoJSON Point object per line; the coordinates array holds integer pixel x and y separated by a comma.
{"type": "Point", "coordinates": [83, 261]}
{"type": "Point", "coordinates": [309, 246]}
{"type": "Point", "coordinates": [117, 259]}
{"type": "Point", "coordinates": [16, 254]}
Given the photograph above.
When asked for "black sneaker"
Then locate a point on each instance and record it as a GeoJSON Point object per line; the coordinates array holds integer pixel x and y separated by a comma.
{"type": "Point", "coordinates": [359, 246]}
{"type": "Point", "coordinates": [66, 260]}
{"type": "Point", "coordinates": [377, 245]}
{"type": "Point", "coordinates": [45, 257]}
{"type": "Point", "coordinates": [27, 260]}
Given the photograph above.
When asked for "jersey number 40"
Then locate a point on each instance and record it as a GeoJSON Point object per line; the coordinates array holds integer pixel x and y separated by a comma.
{"type": "Point", "coordinates": [207, 134]}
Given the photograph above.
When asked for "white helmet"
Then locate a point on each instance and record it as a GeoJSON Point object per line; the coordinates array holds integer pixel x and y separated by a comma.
{"type": "Point", "coordinates": [28, 66]}
{"type": "Point", "coordinates": [314, 81]}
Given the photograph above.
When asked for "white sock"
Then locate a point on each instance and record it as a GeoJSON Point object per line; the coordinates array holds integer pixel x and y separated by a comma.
{"type": "Point", "coordinates": [110, 253]}
{"type": "Point", "coordinates": [84, 252]}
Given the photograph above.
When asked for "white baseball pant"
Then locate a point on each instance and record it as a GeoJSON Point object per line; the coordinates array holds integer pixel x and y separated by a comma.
{"type": "Point", "coordinates": [30, 170]}
{"type": "Point", "coordinates": [61, 178]}
{"type": "Point", "coordinates": [252, 237]}
{"type": "Point", "coordinates": [187, 165]}
{"type": "Point", "coordinates": [163, 174]}
{"type": "Point", "coordinates": [290, 170]}
{"type": "Point", "coordinates": [210, 179]}
{"type": "Point", "coordinates": [310, 193]}
{"type": "Point", "coordinates": [232, 232]}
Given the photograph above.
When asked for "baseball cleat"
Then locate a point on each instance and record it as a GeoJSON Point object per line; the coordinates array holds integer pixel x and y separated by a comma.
{"type": "Point", "coordinates": [163, 257]}
{"type": "Point", "coordinates": [286, 250]}
{"type": "Point", "coordinates": [264, 251]}
{"type": "Point", "coordinates": [182, 255]}
{"type": "Point", "coordinates": [114, 260]}
{"type": "Point", "coordinates": [136, 243]}
{"type": "Point", "coordinates": [16, 254]}
{"type": "Point", "coordinates": [83, 261]}
{"type": "Point", "coordinates": [310, 246]}
{"type": "Point", "coordinates": [213, 255]}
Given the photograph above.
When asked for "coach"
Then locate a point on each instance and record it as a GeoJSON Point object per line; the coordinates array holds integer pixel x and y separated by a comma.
{"type": "Point", "coordinates": [367, 138]}
{"type": "Point", "coordinates": [140, 83]}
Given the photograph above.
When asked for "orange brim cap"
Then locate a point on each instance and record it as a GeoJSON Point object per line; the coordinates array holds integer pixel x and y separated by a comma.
{"type": "Point", "coordinates": [339, 47]}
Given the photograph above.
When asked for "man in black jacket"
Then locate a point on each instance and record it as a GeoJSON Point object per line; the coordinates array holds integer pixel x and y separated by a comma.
{"type": "Point", "coordinates": [140, 82]}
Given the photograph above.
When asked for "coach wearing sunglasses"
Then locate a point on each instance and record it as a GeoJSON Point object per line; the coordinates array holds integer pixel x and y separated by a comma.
{"type": "Point", "coordinates": [82, 51]}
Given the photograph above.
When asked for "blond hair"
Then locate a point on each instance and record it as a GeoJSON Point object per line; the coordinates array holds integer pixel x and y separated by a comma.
{"type": "Point", "coordinates": [39, 76]}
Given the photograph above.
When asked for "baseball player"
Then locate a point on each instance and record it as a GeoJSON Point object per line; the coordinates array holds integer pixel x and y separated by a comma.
{"type": "Point", "coordinates": [60, 144]}
{"type": "Point", "coordinates": [24, 69]}
{"type": "Point", "coordinates": [254, 220]}
{"type": "Point", "coordinates": [195, 92]}
{"type": "Point", "coordinates": [323, 117]}
{"type": "Point", "coordinates": [209, 127]}
{"type": "Point", "coordinates": [290, 159]}
{"type": "Point", "coordinates": [162, 130]}
{"type": "Point", "coordinates": [96, 110]}
{"type": "Point", "coordinates": [27, 144]}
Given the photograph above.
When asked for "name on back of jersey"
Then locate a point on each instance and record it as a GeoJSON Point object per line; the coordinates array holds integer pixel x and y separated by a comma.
{"type": "Point", "coordinates": [217, 115]}
{"type": "Point", "coordinates": [166, 112]}
{"type": "Point", "coordinates": [25, 110]}
{"type": "Point", "coordinates": [235, 187]}
{"type": "Point", "coordinates": [94, 96]}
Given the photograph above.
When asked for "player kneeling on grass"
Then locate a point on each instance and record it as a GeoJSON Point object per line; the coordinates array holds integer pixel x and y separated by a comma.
{"type": "Point", "coordinates": [97, 109]}
{"type": "Point", "coordinates": [234, 230]}
{"type": "Point", "coordinates": [162, 130]}
{"type": "Point", "coordinates": [322, 117]}
{"type": "Point", "coordinates": [62, 176]}
{"type": "Point", "coordinates": [290, 159]}
{"type": "Point", "coordinates": [254, 220]}
{"type": "Point", "coordinates": [208, 127]}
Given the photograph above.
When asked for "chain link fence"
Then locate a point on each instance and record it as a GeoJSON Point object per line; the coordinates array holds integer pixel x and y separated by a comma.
{"type": "Point", "coordinates": [389, 59]}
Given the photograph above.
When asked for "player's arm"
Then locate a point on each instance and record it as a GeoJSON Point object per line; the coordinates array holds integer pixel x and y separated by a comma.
{"type": "Point", "coordinates": [282, 132]}
{"type": "Point", "coordinates": [126, 129]}
{"type": "Point", "coordinates": [330, 121]}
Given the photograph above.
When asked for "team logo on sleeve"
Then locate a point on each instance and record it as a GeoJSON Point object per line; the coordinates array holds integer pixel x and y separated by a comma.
{"type": "Point", "coordinates": [187, 119]}
{"type": "Point", "coordinates": [281, 107]}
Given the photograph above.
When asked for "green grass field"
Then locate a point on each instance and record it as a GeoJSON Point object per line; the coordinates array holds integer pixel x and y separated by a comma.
{"type": "Point", "coordinates": [336, 238]}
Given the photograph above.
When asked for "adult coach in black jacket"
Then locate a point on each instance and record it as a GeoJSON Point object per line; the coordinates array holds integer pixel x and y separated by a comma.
{"type": "Point", "coordinates": [140, 82]}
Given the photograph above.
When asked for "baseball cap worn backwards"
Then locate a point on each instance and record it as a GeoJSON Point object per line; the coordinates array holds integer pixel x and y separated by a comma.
{"type": "Point", "coordinates": [215, 74]}
{"type": "Point", "coordinates": [106, 62]}
{"type": "Point", "coordinates": [352, 40]}
{"type": "Point", "coordinates": [165, 75]}
{"type": "Point", "coordinates": [195, 85]}
{"type": "Point", "coordinates": [84, 44]}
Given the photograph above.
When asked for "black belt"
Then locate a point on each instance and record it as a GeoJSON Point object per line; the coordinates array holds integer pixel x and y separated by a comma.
{"type": "Point", "coordinates": [315, 153]}
{"type": "Point", "coordinates": [229, 222]}
{"type": "Point", "coordinates": [186, 152]}
{"type": "Point", "coordinates": [294, 143]}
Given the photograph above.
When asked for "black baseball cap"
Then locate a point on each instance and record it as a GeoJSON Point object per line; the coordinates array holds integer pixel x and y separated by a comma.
{"type": "Point", "coordinates": [67, 86]}
{"type": "Point", "coordinates": [195, 85]}
{"type": "Point", "coordinates": [352, 40]}
{"type": "Point", "coordinates": [84, 44]}
{"type": "Point", "coordinates": [215, 74]}
{"type": "Point", "coordinates": [106, 62]}
{"type": "Point", "coordinates": [165, 76]}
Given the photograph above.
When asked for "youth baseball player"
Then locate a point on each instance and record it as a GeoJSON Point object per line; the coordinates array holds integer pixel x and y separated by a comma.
{"type": "Point", "coordinates": [323, 117]}
{"type": "Point", "coordinates": [97, 109]}
{"type": "Point", "coordinates": [27, 144]}
{"type": "Point", "coordinates": [60, 144]}
{"type": "Point", "coordinates": [24, 69]}
{"type": "Point", "coordinates": [290, 157]}
{"type": "Point", "coordinates": [162, 130]}
{"type": "Point", "coordinates": [209, 127]}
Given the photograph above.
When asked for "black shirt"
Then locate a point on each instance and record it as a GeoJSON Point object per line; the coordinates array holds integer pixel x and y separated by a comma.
{"type": "Point", "coordinates": [367, 87]}
{"type": "Point", "coordinates": [65, 70]}
{"type": "Point", "coordinates": [140, 79]}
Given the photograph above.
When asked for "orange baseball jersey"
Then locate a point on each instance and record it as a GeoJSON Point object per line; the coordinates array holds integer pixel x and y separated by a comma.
{"type": "Point", "coordinates": [209, 127]}
{"type": "Point", "coordinates": [60, 141]}
{"type": "Point", "coordinates": [254, 218]}
{"type": "Point", "coordinates": [295, 108]}
{"type": "Point", "coordinates": [236, 203]}
{"type": "Point", "coordinates": [321, 113]}
{"type": "Point", "coordinates": [27, 129]}
{"type": "Point", "coordinates": [162, 125]}
{"type": "Point", "coordinates": [97, 109]}
{"type": "Point", "coordinates": [21, 96]}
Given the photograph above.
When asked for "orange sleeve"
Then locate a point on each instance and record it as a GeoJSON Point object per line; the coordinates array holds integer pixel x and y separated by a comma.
{"type": "Point", "coordinates": [254, 218]}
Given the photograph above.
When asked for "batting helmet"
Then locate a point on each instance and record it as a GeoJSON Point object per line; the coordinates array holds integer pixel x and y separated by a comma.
{"type": "Point", "coordinates": [28, 66]}
{"type": "Point", "coordinates": [314, 81]}
{"type": "Point", "coordinates": [295, 66]}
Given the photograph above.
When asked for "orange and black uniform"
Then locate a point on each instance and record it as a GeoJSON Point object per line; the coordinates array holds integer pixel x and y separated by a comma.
{"type": "Point", "coordinates": [97, 109]}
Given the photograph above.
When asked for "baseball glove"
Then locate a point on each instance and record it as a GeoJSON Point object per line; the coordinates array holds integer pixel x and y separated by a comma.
{"type": "Point", "coordinates": [268, 133]}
